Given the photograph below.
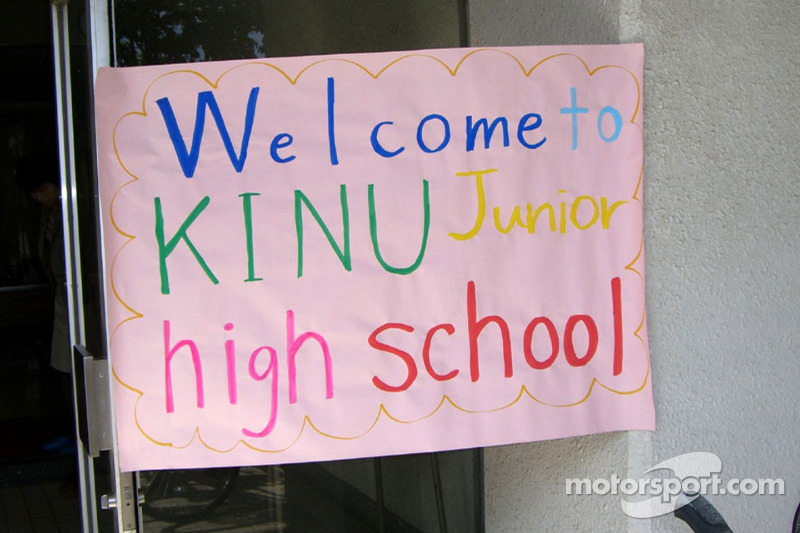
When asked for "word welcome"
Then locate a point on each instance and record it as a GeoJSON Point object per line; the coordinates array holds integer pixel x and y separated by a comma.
{"type": "Point", "coordinates": [432, 134]}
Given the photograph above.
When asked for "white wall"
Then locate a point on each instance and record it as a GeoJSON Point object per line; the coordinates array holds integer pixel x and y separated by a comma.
{"type": "Point", "coordinates": [722, 210]}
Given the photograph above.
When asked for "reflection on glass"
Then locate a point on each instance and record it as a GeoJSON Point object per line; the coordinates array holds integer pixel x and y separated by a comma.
{"type": "Point", "coordinates": [151, 32]}
{"type": "Point", "coordinates": [435, 492]}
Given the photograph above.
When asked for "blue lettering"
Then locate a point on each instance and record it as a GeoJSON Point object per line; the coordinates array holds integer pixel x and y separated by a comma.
{"type": "Point", "coordinates": [334, 156]}
{"type": "Point", "coordinates": [524, 125]}
{"type": "Point", "coordinates": [445, 136]}
{"type": "Point", "coordinates": [472, 131]}
{"type": "Point", "coordinates": [617, 123]}
{"type": "Point", "coordinates": [376, 145]}
{"type": "Point", "coordinates": [282, 140]}
{"type": "Point", "coordinates": [574, 110]}
{"type": "Point", "coordinates": [188, 158]}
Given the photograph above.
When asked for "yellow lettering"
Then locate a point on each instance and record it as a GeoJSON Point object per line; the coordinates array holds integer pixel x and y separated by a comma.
{"type": "Point", "coordinates": [532, 218]}
{"type": "Point", "coordinates": [581, 213]}
{"type": "Point", "coordinates": [515, 219]}
{"type": "Point", "coordinates": [607, 212]}
{"type": "Point", "coordinates": [481, 204]}
{"type": "Point", "coordinates": [573, 214]}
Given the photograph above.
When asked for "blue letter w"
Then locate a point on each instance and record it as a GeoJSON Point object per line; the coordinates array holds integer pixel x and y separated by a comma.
{"type": "Point", "coordinates": [188, 159]}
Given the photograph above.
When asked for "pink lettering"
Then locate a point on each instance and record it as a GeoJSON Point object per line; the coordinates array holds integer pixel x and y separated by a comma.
{"type": "Point", "coordinates": [169, 353]}
{"type": "Point", "coordinates": [293, 346]}
{"type": "Point", "coordinates": [230, 362]}
{"type": "Point", "coordinates": [272, 370]}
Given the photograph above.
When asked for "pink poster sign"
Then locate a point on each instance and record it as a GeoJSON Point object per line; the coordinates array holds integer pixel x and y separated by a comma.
{"type": "Point", "coordinates": [332, 257]}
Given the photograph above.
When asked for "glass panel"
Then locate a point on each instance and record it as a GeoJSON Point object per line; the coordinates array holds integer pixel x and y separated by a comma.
{"type": "Point", "coordinates": [37, 419]}
{"type": "Point", "coordinates": [35, 415]}
{"type": "Point", "coordinates": [427, 492]}
{"type": "Point", "coordinates": [415, 493]}
{"type": "Point", "coordinates": [30, 396]}
{"type": "Point", "coordinates": [150, 32]}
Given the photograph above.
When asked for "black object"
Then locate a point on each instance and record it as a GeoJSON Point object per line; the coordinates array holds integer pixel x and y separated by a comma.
{"type": "Point", "coordinates": [702, 517]}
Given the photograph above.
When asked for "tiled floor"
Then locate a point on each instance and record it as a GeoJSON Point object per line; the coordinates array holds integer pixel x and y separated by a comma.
{"type": "Point", "coordinates": [31, 413]}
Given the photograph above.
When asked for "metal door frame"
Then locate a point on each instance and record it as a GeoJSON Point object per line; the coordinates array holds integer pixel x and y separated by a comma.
{"type": "Point", "coordinates": [90, 373]}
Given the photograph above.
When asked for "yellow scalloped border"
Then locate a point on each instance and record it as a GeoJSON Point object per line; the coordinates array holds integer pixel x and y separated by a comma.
{"type": "Point", "coordinates": [382, 410]}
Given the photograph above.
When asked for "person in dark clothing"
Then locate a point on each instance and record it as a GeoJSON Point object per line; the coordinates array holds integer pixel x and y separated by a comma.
{"type": "Point", "coordinates": [38, 175]}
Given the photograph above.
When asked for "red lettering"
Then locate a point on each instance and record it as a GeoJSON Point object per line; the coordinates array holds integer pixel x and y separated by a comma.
{"type": "Point", "coordinates": [528, 341]}
{"type": "Point", "coordinates": [569, 348]}
{"type": "Point", "coordinates": [405, 356]}
{"type": "Point", "coordinates": [426, 352]}
{"type": "Point", "coordinates": [616, 298]}
{"type": "Point", "coordinates": [475, 327]}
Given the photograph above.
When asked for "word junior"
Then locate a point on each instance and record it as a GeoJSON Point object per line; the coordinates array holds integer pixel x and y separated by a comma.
{"type": "Point", "coordinates": [565, 212]}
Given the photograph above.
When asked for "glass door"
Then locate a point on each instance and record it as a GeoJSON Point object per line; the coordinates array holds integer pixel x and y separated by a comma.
{"type": "Point", "coordinates": [79, 45]}
{"type": "Point", "coordinates": [49, 271]}
{"type": "Point", "coordinates": [420, 493]}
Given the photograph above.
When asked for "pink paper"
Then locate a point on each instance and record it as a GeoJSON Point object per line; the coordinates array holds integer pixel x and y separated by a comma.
{"type": "Point", "coordinates": [343, 256]}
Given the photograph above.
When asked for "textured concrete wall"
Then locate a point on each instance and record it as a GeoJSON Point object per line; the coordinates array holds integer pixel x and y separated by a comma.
{"type": "Point", "coordinates": [524, 22]}
{"type": "Point", "coordinates": [723, 187]}
{"type": "Point", "coordinates": [722, 206]}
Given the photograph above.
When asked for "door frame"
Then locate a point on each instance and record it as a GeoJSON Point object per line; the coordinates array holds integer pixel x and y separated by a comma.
{"type": "Point", "coordinates": [96, 457]}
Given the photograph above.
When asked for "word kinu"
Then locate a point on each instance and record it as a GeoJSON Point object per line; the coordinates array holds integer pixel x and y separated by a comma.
{"type": "Point", "coordinates": [301, 202]}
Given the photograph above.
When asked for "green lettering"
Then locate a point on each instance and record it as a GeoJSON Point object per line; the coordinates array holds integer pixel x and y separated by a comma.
{"type": "Point", "coordinates": [164, 249]}
{"type": "Point", "coordinates": [373, 231]}
{"type": "Point", "coordinates": [247, 208]}
{"type": "Point", "coordinates": [344, 255]}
